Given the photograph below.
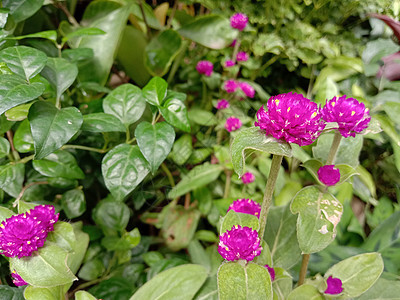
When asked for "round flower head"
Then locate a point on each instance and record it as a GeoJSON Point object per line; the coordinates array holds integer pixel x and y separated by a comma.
{"type": "Point", "coordinates": [352, 116]}
{"type": "Point", "coordinates": [22, 234]}
{"type": "Point", "coordinates": [242, 56]}
{"type": "Point", "coordinates": [247, 89]}
{"type": "Point", "coordinates": [17, 280]}
{"type": "Point", "coordinates": [230, 86]}
{"type": "Point", "coordinates": [229, 63]}
{"type": "Point", "coordinates": [204, 67]}
{"type": "Point", "coordinates": [239, 243]}
{"type": "Point", "coordinates": [291, 117]}
{"type": "Point", "coordinates": [248, 177]}
{"type": "Point", "coordinates": [246, 206]}
{"type": "Point", "coordinates": [233, 44]}
{"type": "Point", "coordinates": [222, 104]}
{"type": "Point", "coordinates": [271, 272]}
{"type": "Point", "coordinates": [239, 21]}
{"type": "Point", "coordinates": [233, 124]}
{"type": "Point", "coordinates": [328, 175]}
{"type": "Point", "coordinates": [334, 286]}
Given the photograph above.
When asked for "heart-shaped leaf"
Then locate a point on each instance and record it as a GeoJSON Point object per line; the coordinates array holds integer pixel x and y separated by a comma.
{"type": "Point", "coordinates": [124, 168]}
{"type": "Point", "coordinates": [73, 203]}
{"type": "Point", "coordinates": [174, 111]}
{"type": "Point", "coordinates": [102, 122]}
{"type": "Point", "coordinates": [4, 147]}
{"type": "Point", "coordinates": [155, 142]}
{"type": "Point", "coordinates": [11, 178]}
{"type": "Point", "coordinates": [22, 9]}
{"type": "Point", "coordinates": [51, 127]}
{"type": "Point", "coordinates": [23, 140]}
{"type": "Point", "coordinates": [155, 91]}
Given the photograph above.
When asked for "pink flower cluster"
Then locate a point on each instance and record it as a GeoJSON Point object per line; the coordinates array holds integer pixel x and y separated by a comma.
{"type": "Point", "coordinates": [17, 279]}
{"type": "Point", "coordinates": [239, 21]}
{"type": "Point", "coordinates": [246, 206]}
{"type": "Point", "coordinates": [222, 104]}
{"type": "Point", "coordinates": [334, 286]}
{"type": "Point", "coordinates": [248, 177]}
{"type": "Point", "coordinates": [22, 234]}
{"type": "Point", "coordinates": [205, 67]}
{"type": "Point", "coordinates": [271, 272]}
{"type": "Point", "coordinates": [229, 63]}
{"type": "Point", "coordinates": [239, 243]}
{"type": "Point", "coordinates": [242, 56]}
{"type": "Point", "coordinates": [233, 124]}
{"type": "Point", "coordinates": [329, 175]}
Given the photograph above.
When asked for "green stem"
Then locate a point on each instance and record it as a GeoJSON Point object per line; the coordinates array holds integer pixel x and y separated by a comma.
{"type": "Point", "coordinates": [236, 48]}
{"type": "Point", "coordinates": [168, 173]}
{"type": "Point", "coordinates": [58, 102]}
{"type": "Point", "coordinates": [303, 270]}
{"type": "Point", "coordinates": [25, 159]}
{"type": "Point", "coordinates": [263, 67]}
{"type": "Point", "coordinates": [144, 19]}
{"type": "Point", "coordinates": [334, 148]}
{"type": "Point", "coordinates": [227, 183]}
{"type": "Point", "coordinates": [128, 135]}
{"type": "Point", "coordinates": [269, 190]}
{"type": "Point", "coordinates": [177, 61]}
{"type": "Point", "coordinates": [80, 147]}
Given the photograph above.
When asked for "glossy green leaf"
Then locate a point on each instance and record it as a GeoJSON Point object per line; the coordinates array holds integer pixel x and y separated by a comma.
{"type": "Point", "coordinates": [174, 111]}
{"type": "Point", "coordinates": [46, 269]}
{"type": "Point", "coordinates": [124, 168]}
{"type": "Point", "coordinates": [161, 51]}
{"type": "Point", "coordinates": [199, 176]}
{"type": "Point", "coordinates": [319, 214]}
{"type": "Point", "coordinates": [305, 292]}
{"type": "Point", "coordinates": [24, 61]}
{"type": "Point", "coordinates": [18, 113]}
{"type": "Point", "coordinates": [73, 203]}
{"type": "Point", "coordinates": [11, 178]}
{"type": "Point", "coordinates": [102, 122]}
{"type": "Point", "coordinates": [150, 16]}
{"type": "Point", "coordinates": [155, 142]}
{"type": "Point", "coordinates": [79, 55]}
{"type": "Point", "coordinates": [4, 147]}
{"type": "Point", "coordinates": [155, 91]}
{"type": "Point", "coordinates": [23, 140]}
{"type": "Point", "coordinates": [76, 257]}
{"type": "Point", "coordinates": [51, 127]}
{"type": "Point", "coordinates": [22, 9]}
{"type": "Point", "coordinates": [60, 73]}
{"type": "Point", "coordinates": [83, 31]}
{"type": "Point", "coordinates": [248, 282]}
{"type": "Point", "coordinates": [59, 164]}
{"type": "Point", "coordinates": [357, 273]}
{"type": "Point", "coordinates": [111, 214]}
{"type": "Point", "coordinates": [15, 91]}
{"type": "Point", "coordinates": [212, 31]}
{"type": "Point", "coordinates": [128, 241]}
{"type": "Point", "coordinates": [104, 46]}
{"type": "Point", "coordinates": [63, 235]}
{"type": "Point", "coordinates": [255, 139]}
{"type": "Point", "coordinates": [202, 117]}
{"type": "Point", "coordinates": [50, 35]}
{"type": "Point", "coordinates": [91, 269]}
{"type": "Point", "coordinates": [83, 295]}
{"type": "Point", "coordinates": [182, 149]}
{"type": "Point", "coordinates": [381, 290]}
{"type": "Point", "coordinates": [180, 282]}
{"type": "Point", "coordinates": [126, 102]}
{"type": "Point", "coordinates": [233, 218]}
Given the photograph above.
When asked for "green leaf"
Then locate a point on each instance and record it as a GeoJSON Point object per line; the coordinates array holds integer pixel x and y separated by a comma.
{"type": "Point", "coordinates": [59, 164]}
{"type": "Point", "coordinates": [91, 269]}
{"type": "Point", "coordinates": [155, 91]}
{"type": "Point", "coordinates": [63, 235]}
{"type": "Point", "coordinates": [151, 18]}
{"type": "Point", "coordinates": [124, 168]}
{"type": "Point", "coordinates": [346, 171]}
{"type": "Point", "coordinates": [126, 103]}
{"type": "Point", "coordinates": [50, 35]}
{"type": "Point", "coordinates": [280, 234]}
{"type": "Point", "coordinates": [305, 292]}
{"type": "Point", "coordinates": [5, 213]}
{"type": "Point", "coordinates": [4, 147]}
{"type": "Point", "coordinates": [128, 241]}
{"type": "Point", "coordinates": [60, 73]}
{"type": "Point", "coordinates": [22, 9]}
{"type": "Point", "coordinates": [152, 257]}
{"type": "Point", "coordinates": [83, 295]}
{"type": "Point", "coordinates": [319, 214]}
{"type": "Point", "coordinates": [83, 31]}
{"type": "Point", "coordinates": [381, 290]}
{"type": "Point", "coordinates": [180, 282]}
{"type": "Point", "coordinates": [23, 140]}
{"type": "Point", "coordinates": [24, 61]}
{"type": "Point", "coordinates": [174, 111]}
{"type": "Point", "coordinates": [161, 51]}
{"type": "Point", "coordinates": [15, 91]}
{"type": "Point", "coordinates": [251, 281]}
{"type": "Point", "coordinates": [73, 203]}
{"type": "Point", "coordinates": [11, 293]}
{"type": "Point", "coordinates": [199, 176]}
{"type": "Point", "coordinates": [233, 218]}
{"type": "Point", "coordinates": [51, 127]}
{"type": "Point", "coordinates": [357, 273]}
{"type": "Point", "coordinates": [47, 268]}
{"type": "Point", "coordinates": [155, 142]}
{"type": "Point", "coordinates": [255, 139]}
{"type": "Point", "coordinates": [327, 90]}
{"type": "Point", "coordinates": [76, 257]}
{"type": "Point", "coordinates": [202, 117]}
{"type": "Point", "coordinates": [212, 31]}
{"type": "Point", "coordinates": [11, 178]}
{"type": "Point", "coordinates": [182, 149]}
{"type": "Point", "coordinates": [282, 285]}
{"type": "Point", "coordinates": [102, 122]}
{"type": "Point", "coordinates": [79, 55]}
{"type": "Point", "coordinates": [104, 46]}
{"type": "Point", "coordinates": [111, 214]}
{"type": "Point", "coordinates": [18, 113]}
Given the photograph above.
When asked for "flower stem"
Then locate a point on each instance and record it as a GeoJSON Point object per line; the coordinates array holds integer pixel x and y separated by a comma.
{"type": "Point", "coordinates": [228, 174]}
{"type": "Point", "coordinates": [303, 270]}
{"type": "Point", "coordinates": [334, 148]}
{"type": "Point", "coordinates": [269, 190]}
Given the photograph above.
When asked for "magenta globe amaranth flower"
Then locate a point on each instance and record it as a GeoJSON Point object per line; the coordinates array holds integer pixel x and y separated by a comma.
{"type": "Point", "coordinates": [222, 104]}
{"type": "Point", "coordinates": [334, 286]}
{"type": "Point", "coordinates": [247, 89]}
{"type": "Point", "coordinates": [204, 67]}
{"type": "Point", "coordinates": [242, 56]}
{"type": "Point", "coordinates": [22, 234]}
{"type": "Point", "coordinates": [230, 86]}
{"type": "Point", "coordinates": [229, 63]}
{"type": "Point", "coordinates": [248, 177]}
{"type": "Point", "coordinates": [351, 116]}
{"type": "Point", "coordinates": [17, 279]}
{"type": "Point", "coordinates": [233, 124]}
{"type": "Point", "coordinates": [329, 175]}
{"type": "Point", "coordinates": [292, 118]}
{"type": "Point", "coordinates": [271, 272]}
{"type": "Point", "coordinates": [246, 206]}
{"type": "Point", "coordinates": [239, 21]}
{"type": "Point", "coordinates": [239, 243]}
